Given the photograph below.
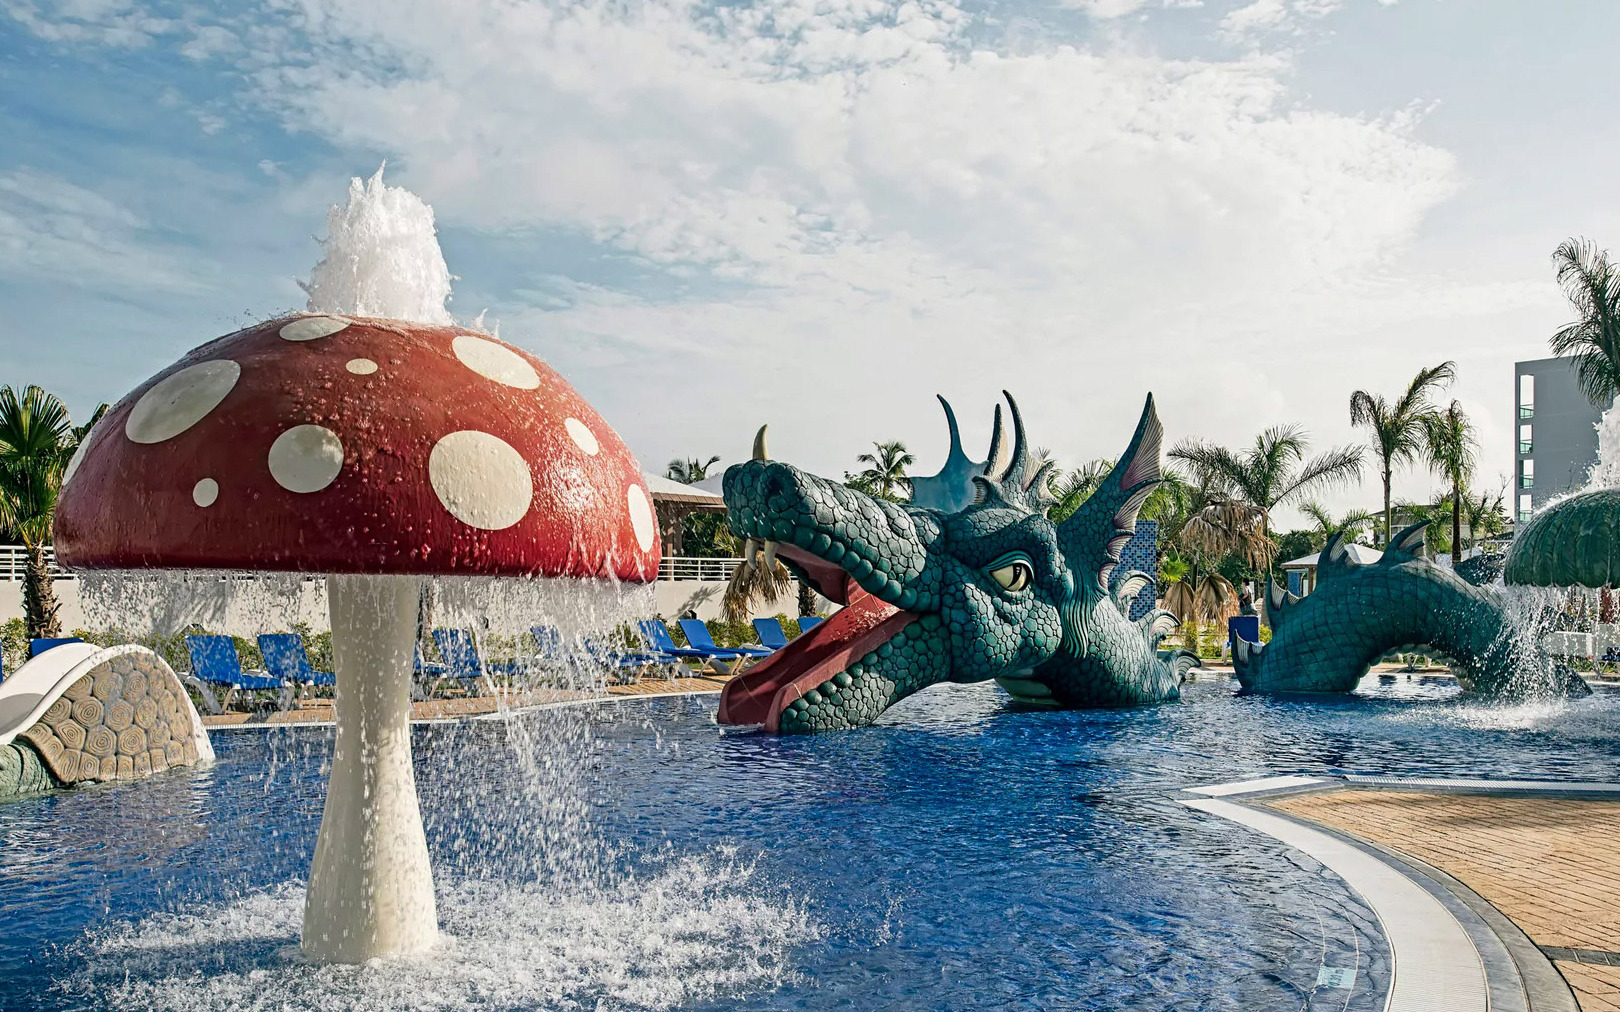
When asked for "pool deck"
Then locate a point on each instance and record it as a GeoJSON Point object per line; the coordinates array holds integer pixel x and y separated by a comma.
{"type": "Point", "coordinates": [317, 711]}
{"type": "Point", "coordinates": [1509, 880]}
{"type": "Point", "coordinates": [1547, 863]}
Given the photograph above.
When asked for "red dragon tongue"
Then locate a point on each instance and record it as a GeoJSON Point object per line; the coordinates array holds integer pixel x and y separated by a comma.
{"type": "Point", "coordinates": [758, 695]}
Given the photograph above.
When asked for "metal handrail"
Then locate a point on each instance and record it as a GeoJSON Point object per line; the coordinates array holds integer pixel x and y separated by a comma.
{"type": "Point", "coordinates": [14, 563]}
{"type": "Point", "coordinates": [1526, 412]}
{"type": "Point", "coordinates": [686, 567]}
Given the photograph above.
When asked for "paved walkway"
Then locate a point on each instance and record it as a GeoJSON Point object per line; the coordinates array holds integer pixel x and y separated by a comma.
{"type": "Point", "coordinates": [319, 711]}
{"type": "Point", "coordinates": [1549, 864]}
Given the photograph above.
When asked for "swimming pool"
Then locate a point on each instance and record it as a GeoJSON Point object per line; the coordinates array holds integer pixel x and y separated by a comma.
{"type": "Point", "coordinates": [962, 854]}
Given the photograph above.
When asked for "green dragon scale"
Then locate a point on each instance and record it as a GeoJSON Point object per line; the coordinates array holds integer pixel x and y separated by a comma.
{"type": "Point", "coordinates": [968, 582]}
{"type": "Point", "coordinates": [1327, 641]}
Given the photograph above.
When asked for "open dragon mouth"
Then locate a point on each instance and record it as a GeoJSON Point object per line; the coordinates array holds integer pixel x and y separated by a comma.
{"type": "Point", "coordinates": [812, 674]}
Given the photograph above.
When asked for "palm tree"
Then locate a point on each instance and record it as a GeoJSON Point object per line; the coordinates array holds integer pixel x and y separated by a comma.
{"type": "Point", "coordinates": [690, 471]}
{"type": "Point", "coordinates": [1195, 599]}
{"type": "Point", "coordinates": [1327, 525]}
{"type": "Point", "coordinates": [1269, 473]}
{"type": "Point", "coordinates": [752, 586]}
{"type": "Point", "coordinates": [37, 439]}
{"type": "Point", "coordinates": [1485, 515]}
{"type": "Point", "coordinates": [1072, 488]}
{"type": "Point", "coordinates": [885, 473]}
{"type": "Point", "coordinates": [1397, 426]}
{"type": "Point", "coordinates": [1592, 285]}
{"type": "Point", "coordinates": [1449, 442]}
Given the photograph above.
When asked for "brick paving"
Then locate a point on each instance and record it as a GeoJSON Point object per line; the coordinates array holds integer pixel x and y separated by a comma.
{"type": "Point", "coordinates": [1546, 863]}
{"type": "Point", "coordinates": [319, 710]}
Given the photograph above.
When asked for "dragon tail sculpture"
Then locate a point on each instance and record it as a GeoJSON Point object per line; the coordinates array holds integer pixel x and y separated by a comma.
{"type": "Point", "coordinates": [1327, 641]}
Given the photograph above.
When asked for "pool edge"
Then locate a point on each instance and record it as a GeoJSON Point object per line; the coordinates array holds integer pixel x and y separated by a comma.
{"type": "Point", "coordinates": [1517, 974]}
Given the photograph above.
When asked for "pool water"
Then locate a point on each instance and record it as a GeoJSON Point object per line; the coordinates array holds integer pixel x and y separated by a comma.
{"type": "Point", "coordinates": [961, 855]}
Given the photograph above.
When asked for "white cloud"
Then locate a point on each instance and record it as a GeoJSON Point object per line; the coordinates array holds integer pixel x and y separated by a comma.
{"type": "Point", "coordinates": [1104, 10]}
{"type": "Point", "coordinates": [119, 23]}
{"type": "Point", "coordinates": [871, 204]}
{"type": "Point", "coordinates": [52, 230]}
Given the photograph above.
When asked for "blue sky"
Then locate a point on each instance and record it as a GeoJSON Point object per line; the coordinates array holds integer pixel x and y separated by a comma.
{"type": "Point", "coordinates": [818, 213]}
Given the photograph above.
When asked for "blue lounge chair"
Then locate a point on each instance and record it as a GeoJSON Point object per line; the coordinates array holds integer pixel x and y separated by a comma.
{"type": "Point", "coordinates": [770, 633]}
{"type": "Point", "coordinates": [656, 633]}
{"type": "Point", "coordinates": [285, 657]}
{"type": "Point", "coordinates": [214, 661]}
{"type": "Point", "coordinates": [462, 662]}
{"type": "Point", "coordinates": [697, 634]}
{"type": "Point", "coordinates": [808, 622]}
{"type": "Point", "coordinates": [551, 647]}
{"type": "Point", "coordinates": [37, 647]}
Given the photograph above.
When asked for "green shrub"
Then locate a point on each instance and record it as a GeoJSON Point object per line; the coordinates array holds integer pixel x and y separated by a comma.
{"type": "Point", "coordinates": [14, 643]}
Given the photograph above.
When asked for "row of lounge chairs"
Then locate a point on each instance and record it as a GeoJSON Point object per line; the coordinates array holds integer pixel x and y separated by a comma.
{"type": "Point", "coordinates": [216, 665]}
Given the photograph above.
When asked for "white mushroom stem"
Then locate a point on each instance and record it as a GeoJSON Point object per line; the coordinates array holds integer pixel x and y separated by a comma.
{"type": "Point", "coordinates": [371, 888]}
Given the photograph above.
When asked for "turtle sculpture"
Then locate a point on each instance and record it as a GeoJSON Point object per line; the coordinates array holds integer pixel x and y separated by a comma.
{"type": "Point", "coordinates": [969, 581]}
{"type": "Point", "coordinates": [81, 714]}
{"type": "Point", "coordinates": [1358, 612]}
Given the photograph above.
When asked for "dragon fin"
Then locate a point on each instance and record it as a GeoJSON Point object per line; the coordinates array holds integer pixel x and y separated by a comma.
{"type": "Point", "coordinates": [1129, 586]}
{"type": "Point", "coordinates": [1404, 545]}
{"type": "Point", "coordinates": [1246, 658]}
{"type": "Point", "coordinates": [1278, 600]}
{"type": "Point", "coordinates": [1158, 624]}
{"type": "Point", "coordinates": [1334, 558]}
{"type": "Point", "coordinates": [1181, 662]}
{"type": "Point", "coordinates": [1093, 537]}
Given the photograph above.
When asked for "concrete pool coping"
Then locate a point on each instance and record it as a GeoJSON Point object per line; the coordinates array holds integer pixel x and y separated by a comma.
{"type": "Point", "coordinates": [1450, 948]}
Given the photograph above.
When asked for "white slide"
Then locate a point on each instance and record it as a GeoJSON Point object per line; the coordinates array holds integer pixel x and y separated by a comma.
{"type": "Point", "coordinates": [27, 694]}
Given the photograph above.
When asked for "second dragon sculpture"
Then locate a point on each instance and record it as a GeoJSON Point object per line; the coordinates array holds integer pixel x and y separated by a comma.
{"type": "Point", "coordinates": [968, 582]}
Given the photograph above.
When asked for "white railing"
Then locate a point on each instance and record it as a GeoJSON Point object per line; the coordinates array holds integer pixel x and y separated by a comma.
{"type": "Point", "coordinates": [683, 567]}
{"type": "Point", "coordinates": [14, 563]}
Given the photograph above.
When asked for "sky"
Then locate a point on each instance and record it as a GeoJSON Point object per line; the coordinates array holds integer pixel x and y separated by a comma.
{"type": "Point", "coordinates": [820, 213]}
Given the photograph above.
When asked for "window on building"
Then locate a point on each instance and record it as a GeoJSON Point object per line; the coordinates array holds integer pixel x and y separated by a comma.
{"type": "Point", "coordinates": [1525, 443]}
{"type": "Point", "coordinates": [1527, 473]}
{"type": "Point", "coordinates": [1524, 507]}
{"type": "Point", "coordinates": [1527, 397]}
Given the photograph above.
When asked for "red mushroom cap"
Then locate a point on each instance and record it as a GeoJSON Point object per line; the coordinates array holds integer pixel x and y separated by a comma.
{"type": "Point", "coordinates": [333, 444]}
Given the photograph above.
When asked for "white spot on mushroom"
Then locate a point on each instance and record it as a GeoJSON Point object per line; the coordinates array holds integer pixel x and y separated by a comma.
{"type": "Point", "coordinates": [310, 328]}
{"type": "Point", "coordinates": [495, 361]}
{"type": "Point", "coordinates": [176, 403]}
{"type": "Point", "coordinates": [205, 492]}
{"type": "Point", "coordinates": [306, 458]}
{"type": "Point", "coordinates": [582, 436]}
{"type": "Point", "coordinates": [78, 457]}
{"type": "Point", "coordinates": [361, 366]}
{"type": "Point", "coordinates": [641, 517]}
{"type": "Point", "coordinates": [480, 479]}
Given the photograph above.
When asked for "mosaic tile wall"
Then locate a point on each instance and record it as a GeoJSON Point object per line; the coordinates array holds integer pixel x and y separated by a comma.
{"type": "Point", "coordinates": [1140, 553]}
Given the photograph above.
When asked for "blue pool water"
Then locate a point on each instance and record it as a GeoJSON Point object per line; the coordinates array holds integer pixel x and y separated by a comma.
{"type": "Point", "coordinates": [963, 855]}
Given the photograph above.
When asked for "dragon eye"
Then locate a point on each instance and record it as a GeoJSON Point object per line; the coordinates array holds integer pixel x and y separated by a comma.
{"type": "Point", "coordinates": [1014, 576]}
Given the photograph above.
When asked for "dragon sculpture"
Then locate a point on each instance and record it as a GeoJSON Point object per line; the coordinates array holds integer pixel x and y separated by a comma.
{"type": "Point", "coordinates": [968, 582]}
{"type": "Point", "coordinates": [1358, 612]}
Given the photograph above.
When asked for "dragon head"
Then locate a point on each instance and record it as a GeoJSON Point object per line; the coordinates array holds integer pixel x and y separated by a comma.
{"type": "Point", "coordinates": [970, 581]}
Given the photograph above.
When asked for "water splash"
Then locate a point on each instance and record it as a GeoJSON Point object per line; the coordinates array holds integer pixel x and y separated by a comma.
{"type": "Point", "coordinates": [691, 932]}
{"type": "Point", "coordinates": [382, 258]}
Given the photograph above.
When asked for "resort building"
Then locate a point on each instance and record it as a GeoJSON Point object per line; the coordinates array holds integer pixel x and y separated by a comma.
{"type": "Point", "coordinates": [1557, 441]}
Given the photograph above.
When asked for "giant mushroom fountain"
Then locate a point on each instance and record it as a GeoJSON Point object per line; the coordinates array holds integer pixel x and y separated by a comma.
{"type": "Point", "coordinates": [378, 453]}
